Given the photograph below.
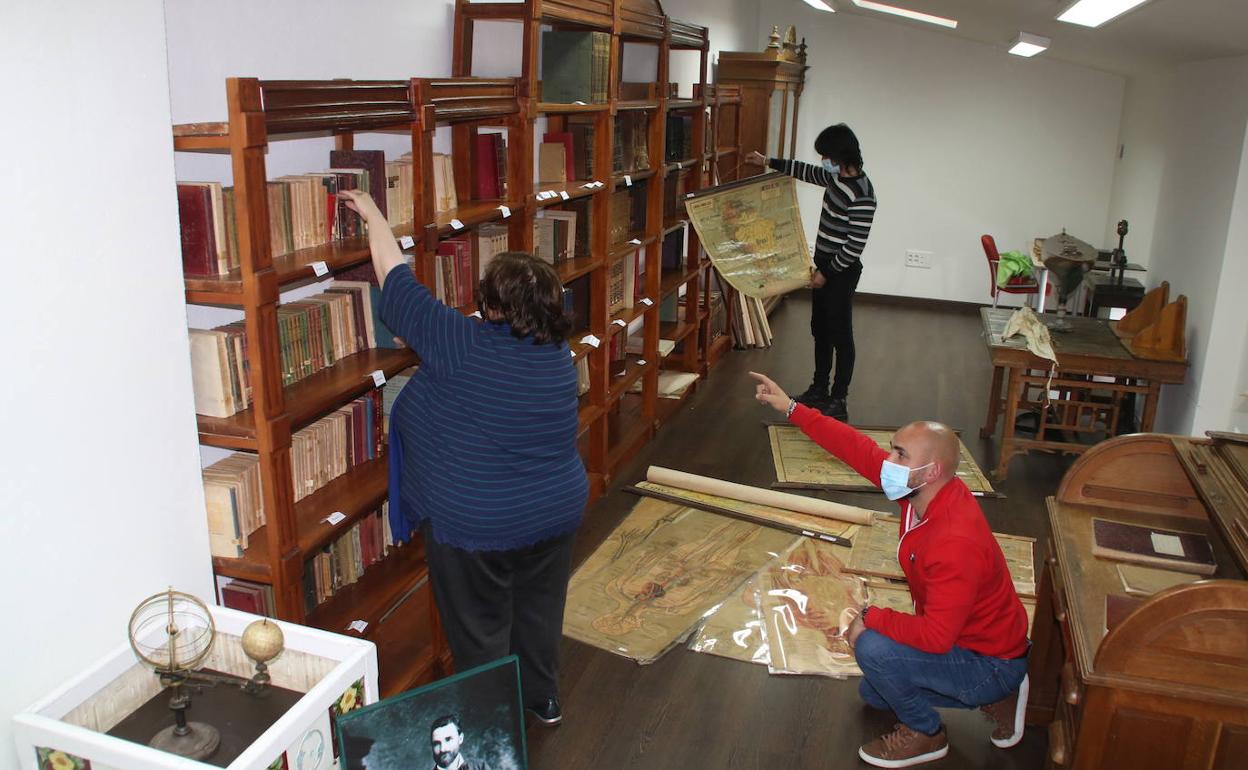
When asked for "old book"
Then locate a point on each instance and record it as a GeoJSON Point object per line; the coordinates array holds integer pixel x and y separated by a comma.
{"type": "Point", "coordinates": [582, 239]}
{"type": "Point", "coordinates": [1146, 581]}
{"type": "Point", "coordinates": [673, 256]}
{"type": "Point", "coordinates": [620, 221]}
{"type": "Point", "coordinates": [565, 232]}
{"type": "Point", "coordinates": [485, 170]}
{"type": "Point", "coordinates": [572, 66]}
{"type": "Point", "coordinates": [372, 161]}
{"type": "Point", "coordinates": [640, 122]}
{"type": "Point", "coordinates": [491, 240]}
{"type": "Point", "coordinates": [544, 239]}
{"type": "Point", "coordinates": [552, 164]}
{"type": "Point", "coordinates": [246, 596]}
{"type": "Point", "coordinates": [601, 66]}
{"type": "Point", "coordinates": [210, 373]}
{"type": "Point", "coordinates": [1182, 551]}
{"type": "Point", "coordinates": [199, 247]}
{"type": "Point", "coordinates": [581, 127]}
{"type": "Point", "coordinates": [616, 277]}
{"type": "Point", "coordinates": [445, 198]}
{"type": "Point", "coordinates": [569, 151]}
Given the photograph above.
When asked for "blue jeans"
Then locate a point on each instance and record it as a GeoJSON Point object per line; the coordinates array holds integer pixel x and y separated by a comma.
{"type": "Point", "coordinates": [914, 683]}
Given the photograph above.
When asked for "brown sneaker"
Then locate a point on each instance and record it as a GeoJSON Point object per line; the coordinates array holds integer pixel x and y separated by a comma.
{"type": "Point", "coordinates": [904, 747]}
{"type": "Point", "coordinates": [1008, 714]}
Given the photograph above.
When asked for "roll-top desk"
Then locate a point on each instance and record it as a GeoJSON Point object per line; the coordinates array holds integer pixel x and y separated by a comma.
{"type": "Point", "coordinates": [1166, 686]}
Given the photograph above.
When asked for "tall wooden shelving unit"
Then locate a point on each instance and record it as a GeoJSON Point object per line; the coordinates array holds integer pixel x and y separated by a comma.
{"type": "Point", "coordinates": [724, 165]}
{"type": "Point", "coordinates": [615, 423]}
{"type": "Point", "coordinates": [392, 597]}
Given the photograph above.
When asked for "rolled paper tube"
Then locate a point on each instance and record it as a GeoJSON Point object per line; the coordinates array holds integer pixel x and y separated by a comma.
{"type": "Point", "coordinates": [788, 502]}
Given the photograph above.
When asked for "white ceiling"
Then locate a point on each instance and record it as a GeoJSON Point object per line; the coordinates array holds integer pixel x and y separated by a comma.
{"type": "Point", "coordinates": [1156, 35]}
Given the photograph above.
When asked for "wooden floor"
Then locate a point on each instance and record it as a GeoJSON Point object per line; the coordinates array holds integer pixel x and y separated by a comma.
{"type": "Point", "coordinates": [691, 710]}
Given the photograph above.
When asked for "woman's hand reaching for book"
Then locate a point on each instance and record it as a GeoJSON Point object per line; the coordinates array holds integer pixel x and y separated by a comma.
{"type": "Point", "coordinates": [363, 204]}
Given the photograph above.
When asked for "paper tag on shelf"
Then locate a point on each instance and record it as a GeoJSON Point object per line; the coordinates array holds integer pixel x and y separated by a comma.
{"type": "Point", "coordinates": [357, 626]}
{"type": "Point", "coordinates": [320, 268]}
{"type": "Point", "coordinates": [628, 181]}
{"type": "Point", "coordinates": [407, 242]}
{"type": "Point", "coordinates": [641, 362]}
{"type": "Point", "coordinates": [578, 101]}
{"type": "Point", "coordinates": [550, 194]}
{"type": "Point", "coordinates": [619, 322]}
{"type": "Point", "coordinates": [506, 211]}
{"type": "Point", "coordinates": [688, 195]}
{"type": "Point", "coordinates": [591, 340]}
{"type": "Point", "coordinates": [1167, 544]}
{"type": "Point", "coordinates": [379, 378]}
{"type": "Point", "coordinates": [647, 301]}
{"type": "Point", "coordinates": [636, 241]}
{"type": "Point", "coordinates": [596, 184]}
{"type": "Point", "coordinates": [573, 352]}
{"type": "Point", "coordinates": [564, 194]}
{"type": "Point", "coordinates": [475, 314]}
{"type": "Point", "coordinates": [455, 223]}
{"type": "Point", "coordinates": [335, 517]}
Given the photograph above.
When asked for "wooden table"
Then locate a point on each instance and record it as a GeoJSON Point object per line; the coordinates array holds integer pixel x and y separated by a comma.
{"type": "Point", "coordinates": [1090, 350]}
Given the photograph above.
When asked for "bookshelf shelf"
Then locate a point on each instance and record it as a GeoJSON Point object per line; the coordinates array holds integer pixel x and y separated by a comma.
{"type": "Point", "coordinates": [632, 105]}
{"type": "Point", "coordinates": [579, 349]}
{"type": "Point", "coordinates": [633, 176]}
{"type": "Point", "coordinates": [621, 250]}
{"type": "Point", "coordinates": [376, 592]}
{"type": "Point", "coordinates": [575, 190]}
{"type": "Point", "coordinates": [559, 108]}
{"type": "Point", "coordinates": [667, 408]}
{"type": "Point", "coordinates": [473, 214]}
{"type": "Point", "coordinates": [628, 315]}
{"type": "Point", "coordinates": [310, 398]}
{"type": "Point", "coordinates": [676, 330]}
{"type": "Point", "coordinates": [586, 416]}
{"type": "Point", "coordinates": [673, 225]}
{"type": "Point", "coordinates": [675, 105]}
{"type": "Point", "coordinates": [674, 281]}
{"type": "Point", "coordinates": [628, 428]}
{"type": "Point", "coordinates": [572, 269]}
{"type": "Point", "coordinates": [406, 653]}
{"type": "Point", "coordinates": [634, 367]}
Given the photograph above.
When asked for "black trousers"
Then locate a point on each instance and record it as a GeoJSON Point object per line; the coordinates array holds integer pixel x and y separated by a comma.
{"type": "Point", "coordinates": [496, 603]}
{"type": "Point", "coordinates": [832, 326]}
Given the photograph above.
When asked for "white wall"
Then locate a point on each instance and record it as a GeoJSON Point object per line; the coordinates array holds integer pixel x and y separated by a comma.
{"type": "Point", "coordinates": [100, 489]}
{"type": "Point", "coordinates": [1182, 186]}
{"type": "Point", "coordinates": [960, 139]}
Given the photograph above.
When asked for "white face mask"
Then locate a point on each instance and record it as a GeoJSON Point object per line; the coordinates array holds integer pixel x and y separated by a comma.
{"type": "Point", "coordinates": [830, 167]}
{"type": "Point", "coordinates": [895, 480]}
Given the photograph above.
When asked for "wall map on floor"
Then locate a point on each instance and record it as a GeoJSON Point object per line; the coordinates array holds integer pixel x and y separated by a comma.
{"type": "Point", "coordinates": [655, 577]}
{"type": "Point", "coordinates": [803, 464]}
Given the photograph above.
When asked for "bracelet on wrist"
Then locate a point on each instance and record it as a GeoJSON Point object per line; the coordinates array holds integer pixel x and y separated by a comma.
{"type": "Point", "coordinates": [792, 406]}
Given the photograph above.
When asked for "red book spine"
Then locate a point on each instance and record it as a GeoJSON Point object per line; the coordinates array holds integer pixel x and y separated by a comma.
{"type": "Point", "coordinates": [199, 242]}
{"type": "Point", "coordinates": [486, 176]}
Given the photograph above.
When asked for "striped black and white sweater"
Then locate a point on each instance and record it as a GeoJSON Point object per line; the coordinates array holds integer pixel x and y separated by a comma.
{"type": "Point", "coordinates": [844, 222]}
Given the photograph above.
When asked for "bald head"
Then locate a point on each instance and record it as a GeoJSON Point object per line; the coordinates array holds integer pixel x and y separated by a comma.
{"type": "Point", "coordinates": [923, 442]}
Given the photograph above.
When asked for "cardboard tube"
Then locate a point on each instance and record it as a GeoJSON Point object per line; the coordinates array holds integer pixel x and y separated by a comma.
{"type": "Point", "coordinates": [788, 502]}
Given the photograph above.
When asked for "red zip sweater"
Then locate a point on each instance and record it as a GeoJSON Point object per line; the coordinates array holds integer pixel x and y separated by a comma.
{"type": "Point", "coordinates": [962, 590]}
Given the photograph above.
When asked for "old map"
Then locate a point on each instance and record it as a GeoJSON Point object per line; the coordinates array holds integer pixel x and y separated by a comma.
{"type": "Point", "coordinates": [752, 231]}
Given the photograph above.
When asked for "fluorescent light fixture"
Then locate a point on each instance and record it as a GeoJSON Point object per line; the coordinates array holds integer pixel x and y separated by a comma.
{"type": "Point", "coordinates": [821, 5]}
{"type": "Point", "coordinates": [1094, 13]}
{"type": "Point", "coordinates": [1027, 44]}
{"type": "Point", "coordinates": [871, 5]}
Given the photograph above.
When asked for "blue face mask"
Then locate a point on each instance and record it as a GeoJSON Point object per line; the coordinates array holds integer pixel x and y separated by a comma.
{"type": "Point", "coordinates": [830, 167]}
{"type": "Point", "coordinates": [895, 479]}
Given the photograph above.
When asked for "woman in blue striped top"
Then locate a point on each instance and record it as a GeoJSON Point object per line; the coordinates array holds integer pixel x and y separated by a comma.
{"type": "Point", "coordinates": [483, 454]}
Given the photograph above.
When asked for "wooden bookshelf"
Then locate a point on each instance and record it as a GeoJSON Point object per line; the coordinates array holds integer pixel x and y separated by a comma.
{"type": "Point", "coordinates": [278, 553]}
{"type": "Point", "coordinates": [614, 424]}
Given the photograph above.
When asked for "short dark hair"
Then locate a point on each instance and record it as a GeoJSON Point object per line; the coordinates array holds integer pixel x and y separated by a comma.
{"type": "Point", "coordinates": [528, 294]}
{"type": "Point", "coordinates": [444, 720]}
{"type": "Point", "coordinates": [839, 144]}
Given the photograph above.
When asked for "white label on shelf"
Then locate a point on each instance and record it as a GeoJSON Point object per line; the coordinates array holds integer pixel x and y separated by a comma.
{"type": "Point", "coordinates": [407, 242]}
{"type": "Point", "coordinates": [379, 378]}
{"type": "Point", "coordinates": [636, 241]}
{"type": "Point", "coordinates": [475, 314]}
{"type": "Point", "coordinates": [590, 340]}
{"type": "Point", "coordinates": [628, 180]}
{"type": "Point", "coordinates": [551, 194]}
{"type": "Point", "coordinates": [455, 223]}
{"type": "Point", "coordinates": [506, 211]}
{"type": "Point", "coordinates": [1167, 544]}
{"type": "Point", "coordinates": [641, 362]}
{"type": "Point", "coordinates": [320, 268]}
{"type": "Point", "coordinates": [573, 352]}
{"type": "Point", "coordinates": [357, 626]}
{"type": "Point", "coordinates": [335, 517]}
{"type": "Point", "coordinates": [564, 194]}
{"type": "Point", "coordinates": [598, 184]}
{"type": "Point", "coordinates": [647, 301]}
{"type": "Point", "coordinates": [619, 322]}
{"type": "Point", "coordinates": [688, 195]}
{"type": "Point", "coordinates": [578, 101]}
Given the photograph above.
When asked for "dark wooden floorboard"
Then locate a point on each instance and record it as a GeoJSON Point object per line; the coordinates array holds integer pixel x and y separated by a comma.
{"type": "Point", "coordinates": [690, 710]}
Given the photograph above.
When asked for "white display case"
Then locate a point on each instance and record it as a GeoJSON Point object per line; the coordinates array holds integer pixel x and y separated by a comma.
{"type": "Point", "coordinates": [68, 729]}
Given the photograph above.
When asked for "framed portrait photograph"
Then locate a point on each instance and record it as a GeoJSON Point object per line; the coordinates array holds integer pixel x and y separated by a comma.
{"type": "Point", "coordinates": [470, 721]}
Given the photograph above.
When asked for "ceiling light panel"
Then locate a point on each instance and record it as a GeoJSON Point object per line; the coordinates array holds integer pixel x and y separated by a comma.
{"type": "Point", "coordinates": [1094, 13]}
{"type": "Point", "coordinates": [1027, 44]}
{"type": "Point", "coordinates": [821, 5]}
{"type": "Point", "coordinates": [927, 18]}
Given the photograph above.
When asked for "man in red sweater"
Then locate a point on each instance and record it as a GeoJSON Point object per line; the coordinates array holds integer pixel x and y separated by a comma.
{"type": "Point", "coordinates": [966, 644]}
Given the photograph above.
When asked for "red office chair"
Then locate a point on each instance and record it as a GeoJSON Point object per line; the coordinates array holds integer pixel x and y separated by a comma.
{"type": "Point", "coordinates": [1016, 285]}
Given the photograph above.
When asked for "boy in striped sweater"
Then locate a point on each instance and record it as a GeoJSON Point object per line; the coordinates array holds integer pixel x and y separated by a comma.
{"type": "Point", "coordinates": [844, 224]}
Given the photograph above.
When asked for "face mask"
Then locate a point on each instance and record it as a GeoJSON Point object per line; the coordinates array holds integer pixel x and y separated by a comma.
{"type": "Point", "coordinates": [830, 167]}
{"type": "Point", "coordinates": [894, 479]}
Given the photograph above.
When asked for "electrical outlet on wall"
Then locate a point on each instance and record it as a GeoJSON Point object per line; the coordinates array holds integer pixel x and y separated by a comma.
{"type": "Point", "coordinates": [920, 259]}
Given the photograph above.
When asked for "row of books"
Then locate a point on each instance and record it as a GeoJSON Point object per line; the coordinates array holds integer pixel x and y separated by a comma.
{"type": "Point", "coordinates": [626, 282]}
{"type": "Point", "coordinates": [631, 142]}
{"type": "Point", "coordinates": [313, 333]}
{"type": "Point", "coordinates": [679, 143]}
{"type": "Point", "coordinates": [319, 453]}
{"type": "Point", "coordinates": [454, 280]}
{"type": "Point", "coordinates": [304, 209]}
{"type": "Point", "coordinates": [575, 67]}
{"type": "Point", "coordinates": [344, 561]}
{"type": "Point", "coordinates": [627, 214]}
